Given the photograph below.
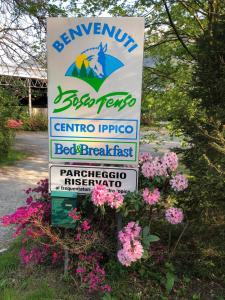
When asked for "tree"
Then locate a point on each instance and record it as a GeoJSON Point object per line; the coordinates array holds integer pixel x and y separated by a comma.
{"type": "Point", "coordinates": [23, 29]}
{"type": "Point", "coordinates": [205, 128]}
{"type": "Point", "coordinates": [8, 110]}
{"type": "Point", "coordinates": [75, 72]}
{"type": "Point", "coordinates": [83, 71]}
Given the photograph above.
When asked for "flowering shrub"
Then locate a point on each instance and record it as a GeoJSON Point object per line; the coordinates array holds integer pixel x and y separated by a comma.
{"type": "Point", "coordinates": [101, 196]}
{"type": "Point", "coordinates": [174, 215]}
{"type": "Point", "coordinates": [92, 242]}
{"type": "Point", "coordinates": [91, 273]}
{"type": "Point", "coordinates": [9, 110]}
{"type": "Point", "coordinates": [14, 124]}
{"type": "Point", "coordinates": [132, 249]}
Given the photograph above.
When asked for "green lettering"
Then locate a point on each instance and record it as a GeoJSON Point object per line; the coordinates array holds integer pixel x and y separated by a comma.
{"type": "Point", "coordinates": [68, 100]}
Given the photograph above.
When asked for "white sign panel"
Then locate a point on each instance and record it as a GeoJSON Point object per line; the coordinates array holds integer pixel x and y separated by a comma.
{"type": "Point", "coordinates": [94, 89]}
{"type": "Point", "coordinates": [82, 179]}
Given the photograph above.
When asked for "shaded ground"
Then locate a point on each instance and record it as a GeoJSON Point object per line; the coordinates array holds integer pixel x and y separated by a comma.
{"type": "Point", "coordinates": [15, 179]}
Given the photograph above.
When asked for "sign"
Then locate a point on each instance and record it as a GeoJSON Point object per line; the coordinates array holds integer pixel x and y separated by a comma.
{"type": "Point", "coordinates": [62, 203]}
{"type": "Point", "coordinates": [94, 89]}
{"type": "Point", "coordinates": [82, 179]}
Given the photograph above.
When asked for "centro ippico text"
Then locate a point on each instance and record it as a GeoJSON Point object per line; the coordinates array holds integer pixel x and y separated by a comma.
{"type": "Point", "coordinates": [101, 128]}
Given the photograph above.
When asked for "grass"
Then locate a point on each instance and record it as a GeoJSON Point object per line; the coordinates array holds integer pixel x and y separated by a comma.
{"type": "Point", "coordinates": [13, 157]}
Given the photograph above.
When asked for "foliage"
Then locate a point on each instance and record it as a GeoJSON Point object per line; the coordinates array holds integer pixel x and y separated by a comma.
{"type": "Point", "coordinates": [204, 128]}
{"type": "Point", "coordinates": [12, 157]}
{"type": "Point", "coordinates": [19, 20]}
{"type": "Point", "coordinates": [36, 122]}
{"type": "Point", "coordinates": [8, 110]}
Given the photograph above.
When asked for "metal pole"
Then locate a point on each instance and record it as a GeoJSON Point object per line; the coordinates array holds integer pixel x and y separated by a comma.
{"type": "Point", "coordinates": [29, 98]}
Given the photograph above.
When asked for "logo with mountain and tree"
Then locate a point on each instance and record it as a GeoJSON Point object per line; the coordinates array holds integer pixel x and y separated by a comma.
{"type": "Point", "coordinates": [94, 66]}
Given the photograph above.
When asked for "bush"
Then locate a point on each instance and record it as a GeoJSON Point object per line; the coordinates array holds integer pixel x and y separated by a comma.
{"type": "Point", "coordinates": [8, 112]}
{"type": "Point", "coordinates": [204, 127]}
{"type": "Point", "coordinates": [37, 122]}
{"type": "Point", "coordinates": [106, 225]}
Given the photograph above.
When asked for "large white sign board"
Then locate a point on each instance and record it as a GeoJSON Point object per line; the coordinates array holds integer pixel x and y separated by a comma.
{"type": "Point", "coordinates": [94, 89]}
{"type": "Point", "coordinates": [82, 179]}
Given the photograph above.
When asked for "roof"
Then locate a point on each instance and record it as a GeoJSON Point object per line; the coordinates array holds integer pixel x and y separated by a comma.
{"type": "Point", "coordinates": [23, 72]}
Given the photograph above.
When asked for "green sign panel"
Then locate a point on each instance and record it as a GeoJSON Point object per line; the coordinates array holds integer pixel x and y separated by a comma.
{"type": "Point", "coordinates": [62, 204]}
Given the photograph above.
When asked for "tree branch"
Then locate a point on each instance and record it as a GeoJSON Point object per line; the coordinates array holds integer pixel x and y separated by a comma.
{"type": "Point", "coordinates": [193, 14]}
{"type": "Point", "coordinates": [176, 31]}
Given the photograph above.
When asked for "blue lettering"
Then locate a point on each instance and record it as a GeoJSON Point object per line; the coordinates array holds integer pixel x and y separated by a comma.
{"type": "Point", "coordinates": [90, 128]}
{"type": "Point", "coordinates": [120, 39]}
{"type": "Point", "coordinates": [56, 126]}
{"type": "Point", "coordinates": [58, 148]}
{"type": "Point", "coordinates": [84, 149]}
{"type": "Point", "coordinates": [129, 129]}
{"type": "Point", "coordinates": [129, 40]}
{"type": "Point", "coordinates": [66, 150]}
{"type": "Point", "coordinates": [109, 31]}
{"type": "Point", "coordinates": [132, 48]}
{"type": "Point", "coordinates": [73, 32]}
{"type": "Point", "coordinates": [58, 46]}
{"type": "Point", "coordinates": [87, 29]}
{"type": "Point", "coordinates": [97, 27]}
{"type": "Point", "coordinates": [65, 38]}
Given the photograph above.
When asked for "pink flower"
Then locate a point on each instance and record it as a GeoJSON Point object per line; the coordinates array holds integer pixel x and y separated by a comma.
{"type": "Point", "coordinates": [133, 229]}
{"type": "Point", "coordinates": [85, 225]}
{"type": "Point", "coordinates": [151, 197]}
{"type": "Point", "coordinates": [115, 200]}
{"type": "Point", "coordinates": [107, 288]}
{"type": "Point", "coordinates": [99, 195]}
{"type": "Point", "coordinates": [131, 252]}
{"type": "Point", "coordinates": [14, 124]}
{"type": "Point", "coordinates": [123, 259]}
{"type": "Point", "coordinates": [174, 215]}
{"type": "Point", "coordinates": [74, 214]}
{"type": "Point", "coordinates": [154, 168]}
{"type": "Point", "coordinates": [132, 249]}
{"type": "Point", "coordinates": [179, 182]}
{"type": "Point", "coordinates": [54, 257]}
{"type": "Point", "coordinates": [148, 169]}
{"type": "Point", "coordinates": [29, 200]}
{"type": "Point", "coordinates": [80, 270]}
{"type": "Point", "coordinates": [78, 236]}
{"type": "Point", "coordinates": [129, 232]}
{"type": "Point", "coordinates": [160, 167]}
{"type": "Point", "coordinates": [170, 160]}
{"type": "Point", "coordinates": [144, 156]}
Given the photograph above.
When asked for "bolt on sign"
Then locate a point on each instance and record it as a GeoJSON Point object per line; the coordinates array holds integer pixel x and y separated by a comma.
{"type": "Point", "coordinates": [94, 89]}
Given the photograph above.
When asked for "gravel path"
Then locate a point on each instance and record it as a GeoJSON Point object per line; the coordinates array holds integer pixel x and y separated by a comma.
{"type": "Point", "coordinates": [15, 179]}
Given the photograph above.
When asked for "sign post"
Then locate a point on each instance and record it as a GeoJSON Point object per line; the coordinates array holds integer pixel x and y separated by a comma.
{"type": "Point", "coordinates": [94, 101]}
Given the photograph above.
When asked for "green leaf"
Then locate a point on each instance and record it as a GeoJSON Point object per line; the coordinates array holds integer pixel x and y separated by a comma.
{"type": "Point", "coordinates": [170, 279]}
{"type": "Point", "coordinates": [153, 238]}
{"type": "Point", "coordinates": [108, 297]}
{"type": "Point", "coordinates": [146, 242]}
{"type": "Point", "coordinates": [145, 254]}
{"type": "Point", "coordinates": [146, 231]}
